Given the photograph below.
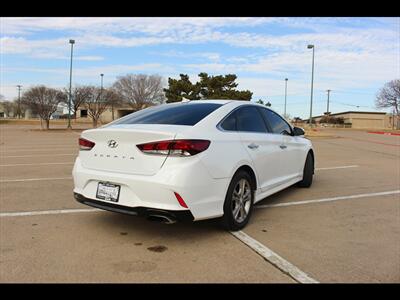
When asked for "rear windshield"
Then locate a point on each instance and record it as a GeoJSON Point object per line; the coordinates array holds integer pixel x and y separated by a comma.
{"type": "Point", "coordinates": [171, 114]}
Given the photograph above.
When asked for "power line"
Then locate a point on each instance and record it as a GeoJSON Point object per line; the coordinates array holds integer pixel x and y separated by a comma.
{"type": "Point", "coordinates": [355, 93]}
{"type": "Point", "coordinates": [354, 105]}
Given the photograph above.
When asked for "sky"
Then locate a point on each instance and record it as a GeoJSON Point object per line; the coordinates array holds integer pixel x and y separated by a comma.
{"type": "Point", "coordinates": [354, 57]}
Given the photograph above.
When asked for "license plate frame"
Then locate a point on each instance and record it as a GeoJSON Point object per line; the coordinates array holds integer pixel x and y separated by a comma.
{"type": "Point", "coordinates": [108, 191]}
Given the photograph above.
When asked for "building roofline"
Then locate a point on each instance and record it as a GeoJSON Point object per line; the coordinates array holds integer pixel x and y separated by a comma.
{"type": "Point", "coordinates": [353, 112]}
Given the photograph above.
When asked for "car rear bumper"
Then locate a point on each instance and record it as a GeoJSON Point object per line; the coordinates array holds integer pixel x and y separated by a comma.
{"type": "Point", "coordinates": [183, 215]}
{"type": "Point", "coordinates": [203, 194]}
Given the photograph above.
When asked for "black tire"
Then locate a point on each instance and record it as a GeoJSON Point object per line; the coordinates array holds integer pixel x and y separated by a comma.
{"type": "Point", "coordinates": [308, 172]}
{"type": "Point", "coordinates": [229, 221]}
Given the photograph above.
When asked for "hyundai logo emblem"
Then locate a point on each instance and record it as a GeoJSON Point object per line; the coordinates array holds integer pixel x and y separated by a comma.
{"type": "Point", "coordinates": [112, 144]}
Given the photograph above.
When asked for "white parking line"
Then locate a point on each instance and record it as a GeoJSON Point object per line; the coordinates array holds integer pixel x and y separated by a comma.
{"type": "Point", "coordinates": [38, 150]}
{"type": "Point", "coordinates": [35, 179]}
{"type": "Point", "coordinates": [48, 212]}
{"type": "Point", "coordinates": [334, 168]}
{"type": "Point", "coordinates": [63, 154]}
{"type": "Point", "coordinates": [38, 164]}
{"type": "Point", "coordinates": [276, 260]}
{"type": "Point", "coordinates": [330, 199]}
{"type": "Point", "coordinates": [29, 146]}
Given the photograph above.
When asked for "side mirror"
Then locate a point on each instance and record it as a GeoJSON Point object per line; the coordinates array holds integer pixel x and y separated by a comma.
{"type": "Point", "coordinates": [297, 131]}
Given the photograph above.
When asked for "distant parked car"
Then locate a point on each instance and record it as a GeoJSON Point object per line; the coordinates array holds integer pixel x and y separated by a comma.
{"type": "Point", "coordinates": [194, 160]}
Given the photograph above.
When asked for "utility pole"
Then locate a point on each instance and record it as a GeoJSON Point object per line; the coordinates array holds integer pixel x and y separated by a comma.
{"type": "Point", "coordinates": [393, 119]}
{"type": "Point", "coordinates": [101, 87]}
{"type": "Point", "coordinates": [312, 82]}
{"type": "Point", "coordinates": [72, 42]}
{"type": "Point", "coordinates": [396, 113]}
{"type": "Point", "coordinates": [286, 80]}
{"type": "Point", "coordinates": [327, 106]}
{"type": "Point", "coordinates": [19, 101]}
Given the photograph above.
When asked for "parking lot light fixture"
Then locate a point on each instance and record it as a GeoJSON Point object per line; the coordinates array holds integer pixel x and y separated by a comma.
{"type": "Point", "coordinates": [72, 42]}
{"type": "Point", "coordinates": [312, 81]}
{"type": "Point", "coordinates": [19, 101]}
{"type": "Point", "coordinates": [286, 80]}
{"type": "Point", "coordinates": [101, 86]}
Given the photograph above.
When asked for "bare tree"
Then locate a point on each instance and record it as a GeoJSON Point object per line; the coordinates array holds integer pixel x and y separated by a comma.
{"type": "Point", "coordinates": [19, 108]}
{"type": "Point", "coordinates": [79, 95]}
{"type": "Point", "coordinates": [389, 96]}
{"type": "Point", "coordinates": [140, 90]}
{"type": "Point", "coordinates": [115, 100]}
{"type": "Point", "coordinates": [8, 107]}
{"type": "Point", "coordinates": [98, 101]}
{"type": "Point", "coordinates": [43, 100]}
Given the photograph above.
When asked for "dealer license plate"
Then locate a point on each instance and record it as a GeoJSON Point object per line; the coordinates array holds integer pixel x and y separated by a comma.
{"type": "Point", "coordinates": [108, 191]}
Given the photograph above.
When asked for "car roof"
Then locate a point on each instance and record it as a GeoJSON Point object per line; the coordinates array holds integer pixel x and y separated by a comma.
{"type": "Point", "coordinates": [232, 103]}
{"type": "Point", "coordinates": [216, 101]}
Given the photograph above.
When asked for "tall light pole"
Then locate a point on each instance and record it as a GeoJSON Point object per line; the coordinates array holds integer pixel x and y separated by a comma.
{"type": "Point", "coordinates": [72, 42]}
{"type": "Point", "coordinates": [101, 87]}
{"type": "Point", "coordinates": [327, 105]}
{"type": "Point", "coordinates": [19, 100]}
{"type": "Point", "coordinates": [393, 119]}
{"type": "Point", "coordinates": [286, 80]}
{"type": "Point", "coordinates": [312, 81]}
{"type": "Point", "coordinates": [101, 90]}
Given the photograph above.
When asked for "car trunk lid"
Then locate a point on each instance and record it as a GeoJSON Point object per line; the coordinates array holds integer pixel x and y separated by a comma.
{"type": "Point", "coordinates": [115, 148]}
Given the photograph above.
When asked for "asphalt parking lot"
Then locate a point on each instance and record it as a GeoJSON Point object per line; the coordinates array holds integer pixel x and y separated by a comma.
{"type": "Point", "coordinates": [345, 228]}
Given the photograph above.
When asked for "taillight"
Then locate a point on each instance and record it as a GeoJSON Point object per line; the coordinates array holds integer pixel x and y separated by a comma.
{"type": "Point", "coordinates": [85, 144]}
{"type": "Point", "coordinates": [175, 147]}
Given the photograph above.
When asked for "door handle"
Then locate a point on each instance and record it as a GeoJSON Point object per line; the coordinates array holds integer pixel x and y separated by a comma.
{"type": "Point", "coordinates": [252, 146]}
{"type": "Point", "coordinates": [283, 146]}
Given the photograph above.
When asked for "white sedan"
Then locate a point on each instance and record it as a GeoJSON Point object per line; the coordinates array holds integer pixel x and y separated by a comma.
{"type": "Point", "coordinates": [191, 161]}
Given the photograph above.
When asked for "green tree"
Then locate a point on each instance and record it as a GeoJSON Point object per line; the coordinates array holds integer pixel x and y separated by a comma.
{"type": "Point", "coordinates": [260, 101]}
{"type": "Point", "coordinates": [181, 88]}
{"type": "Point", "coordinates": [209, 87]}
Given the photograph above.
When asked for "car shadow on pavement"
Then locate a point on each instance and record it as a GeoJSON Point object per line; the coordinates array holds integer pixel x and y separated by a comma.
{"type": "Point", "coordinates": [133, 225]}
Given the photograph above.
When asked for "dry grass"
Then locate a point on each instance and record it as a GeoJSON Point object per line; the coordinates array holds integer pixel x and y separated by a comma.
{"type": "Point", "coordinates": [37, 122]}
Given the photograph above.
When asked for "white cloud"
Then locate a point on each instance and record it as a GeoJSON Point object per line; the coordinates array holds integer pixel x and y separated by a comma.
{"type": "Point", "coordinates": [349, 53]}
{"type": "Point", "coordinates": [158, 25]}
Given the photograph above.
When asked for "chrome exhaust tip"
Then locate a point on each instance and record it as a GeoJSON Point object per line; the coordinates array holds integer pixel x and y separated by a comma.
{"type": "Point", "coordinates": [161, 218]}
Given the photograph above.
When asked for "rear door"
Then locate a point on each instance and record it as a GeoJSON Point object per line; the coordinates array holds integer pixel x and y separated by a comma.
{"type": "Point", "coordinates": [290, 148]}
{"type": "Point", "coordinates": [262, 146]}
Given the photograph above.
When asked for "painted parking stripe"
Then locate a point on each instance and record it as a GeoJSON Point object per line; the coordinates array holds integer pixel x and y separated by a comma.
{"type": "Point", "coordinates": [38, 150]}
{"type": "Point", "coordinates": [28, 146]}
{"type": "Point", "coordinates": [276, 260]}
{"type": "Point", "coordinates": [38, 164]}
{"type": "Point", "coordinates": [63, 154]}
{"type": "Point", "coordinates": [330, 199]}
{"type": "Point", "coordinates": [35, 179]}
{"type": "Point", "coordinates": [48, 212]}
{"type": "Point", "coordinates": [339, 167]}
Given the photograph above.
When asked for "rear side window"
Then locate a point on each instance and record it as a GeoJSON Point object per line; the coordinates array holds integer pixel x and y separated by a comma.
{"type": "Point", "coordinates": [248, 118]}
{"type": "Point", "coordinates": [171, 114]}
{"type": "Point", "coordinates": [277, 123]}
{"type": "Point", "coordinates": [230, 122]}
